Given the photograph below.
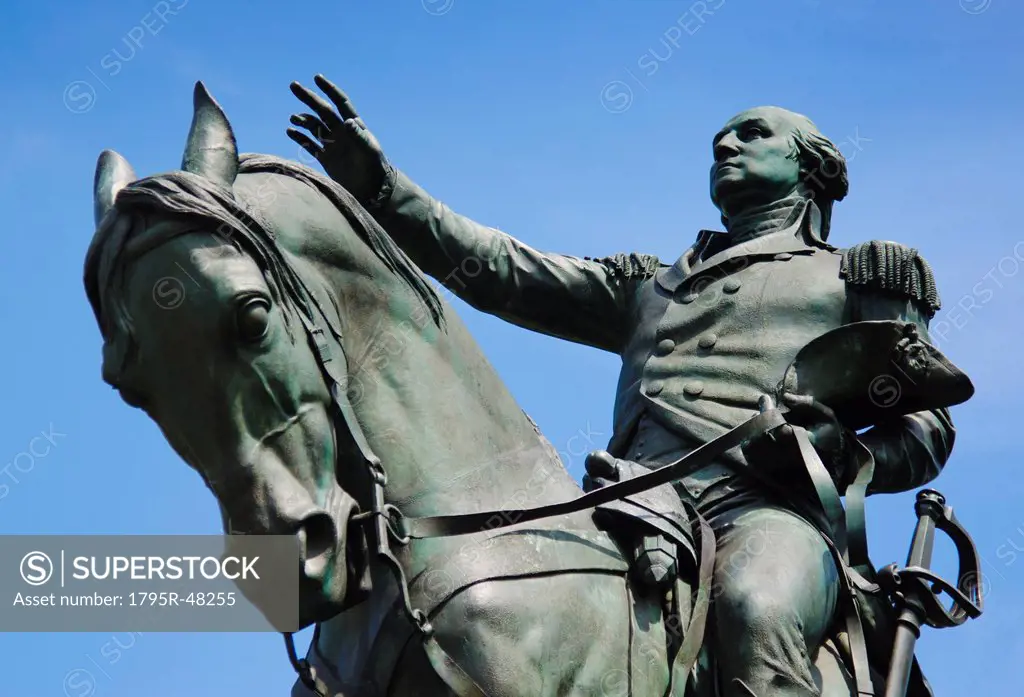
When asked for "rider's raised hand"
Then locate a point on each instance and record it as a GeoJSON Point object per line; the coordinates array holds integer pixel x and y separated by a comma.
{"type": "Point", "coordinates": [341, 143]}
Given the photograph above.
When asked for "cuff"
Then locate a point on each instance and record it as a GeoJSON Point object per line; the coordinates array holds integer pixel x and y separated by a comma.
{"type": "Point", "coordinates": [387, 188]}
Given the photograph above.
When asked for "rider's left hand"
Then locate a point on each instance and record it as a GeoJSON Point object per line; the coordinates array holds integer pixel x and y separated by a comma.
{"type": "Point", "coordinates": [826, 434]}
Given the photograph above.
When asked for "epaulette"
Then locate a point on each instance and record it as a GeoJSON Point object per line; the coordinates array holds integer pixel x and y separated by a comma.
{"type": "Point", "coordinates": [630, 265]}
{"type": "Point", "coordinates": [893, 268]}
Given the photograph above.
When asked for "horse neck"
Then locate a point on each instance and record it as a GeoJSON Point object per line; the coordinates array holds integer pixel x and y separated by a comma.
{"type": "Point", "coordinates": [447, 430]}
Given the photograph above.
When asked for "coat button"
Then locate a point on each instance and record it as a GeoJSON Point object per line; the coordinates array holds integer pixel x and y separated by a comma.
{"type": "Point", "coordinates": [707, 341]}
{"type": "Point", "coordinates": [688, 298]}
{"type": "Point", "coordinates": [655, 388]}
{"type": "Point", "coordinates": [783, 256]}
{"type": "Point", "coordinates": [731, 286]}
{"type": "Point", "coordinates": [693, 388]}
{"type": "Point", "coordinates": [665, 347]}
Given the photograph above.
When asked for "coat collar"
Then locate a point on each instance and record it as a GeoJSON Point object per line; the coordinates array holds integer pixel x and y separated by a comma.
{"type": "Point", "coordinates": [795, 236]}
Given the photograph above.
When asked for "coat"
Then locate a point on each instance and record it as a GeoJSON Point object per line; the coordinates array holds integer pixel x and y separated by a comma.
{"type": "Point", "coordinates": [701, 339]}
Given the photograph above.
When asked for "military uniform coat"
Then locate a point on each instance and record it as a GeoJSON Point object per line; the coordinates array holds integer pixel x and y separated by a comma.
{"type": "Point", "coordinates": [702, 339]}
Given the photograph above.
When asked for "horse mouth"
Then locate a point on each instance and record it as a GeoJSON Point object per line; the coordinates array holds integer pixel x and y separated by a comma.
{"type": "Point", "coordinates": [334, 561]}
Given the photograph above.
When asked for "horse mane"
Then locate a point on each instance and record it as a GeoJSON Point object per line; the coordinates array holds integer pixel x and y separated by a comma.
{"type": "Point", "coordinates": [368, 229]}
{"type": "Point", "coordinates": [125, 234]}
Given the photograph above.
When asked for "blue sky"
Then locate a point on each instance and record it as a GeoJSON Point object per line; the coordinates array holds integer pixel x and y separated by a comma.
{"type": "Point", "coordinates": [579, 127]}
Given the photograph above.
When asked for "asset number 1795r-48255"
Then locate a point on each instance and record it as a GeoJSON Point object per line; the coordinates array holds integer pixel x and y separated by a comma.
{"type": "Point", "coordinates": [166, 598]}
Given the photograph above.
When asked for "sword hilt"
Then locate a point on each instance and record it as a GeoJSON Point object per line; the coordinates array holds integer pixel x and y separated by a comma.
{"type": "Point", "coordinates": [916, 590]}
{"type": "Point", "coordinates": [919, 584]}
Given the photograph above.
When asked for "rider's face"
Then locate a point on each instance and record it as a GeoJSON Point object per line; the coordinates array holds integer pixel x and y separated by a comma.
{"type": "Point", "coordinates": [755, 160]}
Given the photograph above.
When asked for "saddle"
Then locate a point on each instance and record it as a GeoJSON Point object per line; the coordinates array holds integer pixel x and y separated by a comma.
{"type": "Point", "coordinates": [653, 525]}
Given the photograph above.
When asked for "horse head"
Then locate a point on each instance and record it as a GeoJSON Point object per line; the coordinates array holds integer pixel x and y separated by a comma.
{"type": "Point", "coordinates": [202, 314]}
{"type": "Point", "coordinates": [219, 287]}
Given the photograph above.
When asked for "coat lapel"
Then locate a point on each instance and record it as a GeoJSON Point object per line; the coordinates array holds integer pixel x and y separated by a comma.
{"type": "Point", "coordinates": [670, 278]}
{"type": "Point", "coordinates": [789, 239]}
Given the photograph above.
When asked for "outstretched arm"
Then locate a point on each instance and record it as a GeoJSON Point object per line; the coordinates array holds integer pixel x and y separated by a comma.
{"type": "Point", "coordinates": [582, 300]}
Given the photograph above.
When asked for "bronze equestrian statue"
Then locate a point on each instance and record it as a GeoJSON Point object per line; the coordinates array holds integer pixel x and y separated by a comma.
{"type": "Point", "coordinates": [320, 387]}
{"type": "Point", "coordinates": [701, 341]}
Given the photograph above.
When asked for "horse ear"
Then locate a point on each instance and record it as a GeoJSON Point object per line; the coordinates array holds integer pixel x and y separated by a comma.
{"type": "Point", "coordinates": [211, 150]}
{"type": "Point", "coordinates": [113, 173]}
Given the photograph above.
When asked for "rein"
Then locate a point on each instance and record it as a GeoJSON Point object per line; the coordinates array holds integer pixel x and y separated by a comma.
{"type": "Point", "coordinates": [390, 525]}
{"type": "Point", "coordinates": [843, 531]}
{"type": "Point", "coordinates": [467, 523]}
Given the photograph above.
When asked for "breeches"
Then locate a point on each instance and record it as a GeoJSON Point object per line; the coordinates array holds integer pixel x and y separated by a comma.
{"type": "Point", "coordinates": [774, 599]}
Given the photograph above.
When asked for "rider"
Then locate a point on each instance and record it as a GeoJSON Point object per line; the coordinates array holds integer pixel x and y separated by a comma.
{"type": "Point", "coordinates": [701, 341]}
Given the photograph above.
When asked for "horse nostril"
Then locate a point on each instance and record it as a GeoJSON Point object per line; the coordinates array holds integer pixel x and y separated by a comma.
{"type": "Point", "coordinates": [317, 537]}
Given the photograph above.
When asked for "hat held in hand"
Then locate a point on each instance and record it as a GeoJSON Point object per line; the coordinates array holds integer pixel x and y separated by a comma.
{"type": "Point", "coordinates": [869, 372]}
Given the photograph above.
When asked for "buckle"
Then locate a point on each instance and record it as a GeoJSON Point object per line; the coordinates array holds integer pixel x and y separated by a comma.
{"type": "Point", "coordinates": [394, 519]}
{"type": "Point", "coordinates": [320, 340]}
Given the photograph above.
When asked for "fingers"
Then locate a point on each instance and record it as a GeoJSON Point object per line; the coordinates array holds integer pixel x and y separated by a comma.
{"type": "Point", "coordinates": [340, 99]}
{"type": "Point", "coordinates": [313, 125]}
{"type": "Point", "coordinates": [794, 400]}
{"type": "Point", "coordinates": [601, 464]}
{"type": "Point", "coordinates": [802, 404]}
{"type": "Point", "coordinates": [305, 142]}
{"type": "Point", "coordinates": [594, 483]}
{"type": "Point", "coordinates": [319, 106]}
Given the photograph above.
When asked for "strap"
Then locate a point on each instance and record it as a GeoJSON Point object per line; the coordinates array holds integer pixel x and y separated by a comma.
{"type": "Point", "coordinates": [854, 625]}
{"type": "Point", "coordinates": [462, 524]}
{"type": "Point", "coordinates": [393, 637]}
{"type": "Point", "coordinates": [307, 674]}
{"type": "Point", "coordinates": [824, 487]}
{"type": "Point", "coordinates": [451, 672]}
{"type": "Point", "coordinates": [335, 372]}
{"type": "Point", "coordinates": [856, 520]}
{"type": "Point", "coordinates": [682, 664]}
{"type": "Point", "coordinates": [693, 639]}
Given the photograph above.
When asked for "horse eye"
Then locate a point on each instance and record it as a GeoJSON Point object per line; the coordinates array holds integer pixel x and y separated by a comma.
{"type": "Point", "coordinates": [253, 319]}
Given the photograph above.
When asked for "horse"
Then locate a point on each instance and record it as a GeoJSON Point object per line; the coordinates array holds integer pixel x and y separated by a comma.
{"type": "Point", "coordinates": [300, 363]}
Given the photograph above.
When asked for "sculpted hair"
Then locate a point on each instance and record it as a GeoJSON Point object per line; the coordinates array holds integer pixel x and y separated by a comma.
{"type": "Point", "coordinates": [823, 169]}
{"type": "Point", "coordinates": [823, 166]}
